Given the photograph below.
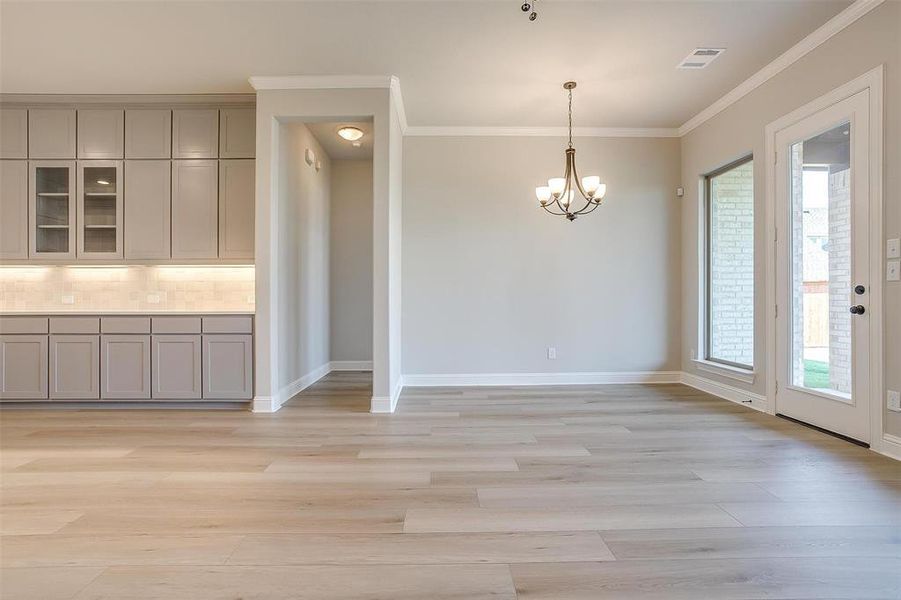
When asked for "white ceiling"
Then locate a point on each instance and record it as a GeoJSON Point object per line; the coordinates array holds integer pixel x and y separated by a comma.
{"type": "Point", "coordinates": [460, 63]}
{"type": "Point", "coordinates": [337, 147]}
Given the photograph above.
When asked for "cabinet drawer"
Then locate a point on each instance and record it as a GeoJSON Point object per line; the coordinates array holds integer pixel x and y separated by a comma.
{"type": "Point", "coordinates": [23, 325]}
{"type": "Point", "coordinates": [125, 325]}
{"type": "Point", "coordinates": [228, 324]}
{"type": "Point", "coordinates": [175, 324]}
{"type": "Point", "coordinates": [74, 324]}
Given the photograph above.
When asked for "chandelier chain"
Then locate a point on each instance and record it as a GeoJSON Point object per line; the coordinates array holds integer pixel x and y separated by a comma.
{"type": "Point", "coordinates": [570, 118]}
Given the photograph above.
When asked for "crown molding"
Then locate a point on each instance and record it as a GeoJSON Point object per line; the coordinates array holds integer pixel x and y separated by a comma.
{"type": "Point", "coordinates": [820, 35]}
{"type": "Point", "coordinates": [316, 82]}
{"type": "Point", "coordinates": [463, 131]}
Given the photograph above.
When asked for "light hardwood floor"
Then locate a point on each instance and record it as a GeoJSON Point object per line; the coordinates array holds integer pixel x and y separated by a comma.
{"type": "Point", "coordinates": [594, 492]}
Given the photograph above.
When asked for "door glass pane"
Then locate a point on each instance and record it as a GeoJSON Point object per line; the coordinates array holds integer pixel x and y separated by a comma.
{"type": "Point", "coordinates": [100, 193]}
{"type": "Point", "coordinates": [821, 262]}
{"type": "Point", "coordinates": [52, 209]}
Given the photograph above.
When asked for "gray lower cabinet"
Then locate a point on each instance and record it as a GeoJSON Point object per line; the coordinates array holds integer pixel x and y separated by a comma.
{"type": "Point", "coordinates": [176, 367]}
{"type": "Point", "coordinates": [75, 367]}
{"type": "Point", "coordinates": [23, 367]}
{"type": "Point", "coordinates": [124, 366]}
{"type": "Point", "coordinates": [228, 367]}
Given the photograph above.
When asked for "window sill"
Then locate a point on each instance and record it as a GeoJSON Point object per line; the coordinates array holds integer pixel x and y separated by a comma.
{"type": "Point", "coordinates": [736, 373]}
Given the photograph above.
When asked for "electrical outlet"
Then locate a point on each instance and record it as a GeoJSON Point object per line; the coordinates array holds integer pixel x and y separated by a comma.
{"type": "Point", "coordinates": [892, 270]}
{"type": "Point", "coordinates": [552, 354]}
{"type": "Point", "coordinates": [68, 299]}
{"type": "Point", "coordinates": [251, 299]}
{"type": "Point", "coordinates": [893, 401]}
{"type": "Point", "coordinates": [153, 298]}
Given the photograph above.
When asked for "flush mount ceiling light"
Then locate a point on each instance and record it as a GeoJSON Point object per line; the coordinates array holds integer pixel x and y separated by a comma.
{"type": "Point", "coordinates": [351, 134]}
{"type": "Point", "coordinates": [559, 191]}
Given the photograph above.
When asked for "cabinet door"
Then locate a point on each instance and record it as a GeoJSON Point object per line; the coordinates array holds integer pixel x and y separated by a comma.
{"type": "Point", "coordinates": [195, 209]}
{"type": "Point", "coordinates": [101, 133]}
{"type": "Point", "coordinates": [51, 133]}
{"type": "Point", "coordinates": [176, 366]}
{"type": "Point", "coordinates": [99, 216]}
{"type": "Point", "coordinates": [13, 209]}
{"type": "Point", "coordinates": [236, 208]}
{"type": "Point", "coordinates": [237, 133]}
{"type": "Point", "coordinates": [195, 133]}
{"type": "Point", "coordinates": [13, 133]}
{"type": "Point", "coordinates": [147, 209]}
{"type": "Point", "coordinates": [124, 366]}
{"type": "Point", "coordinates": [51, 209]}
{"type": "Point", "coordinates": [148, 133]}
{"type": "Point", "coordinates": [23, 367]}
{"type": "Point", "coordinates": [75, 367]}
{"type": "Point", "coordinates": [228, 367]}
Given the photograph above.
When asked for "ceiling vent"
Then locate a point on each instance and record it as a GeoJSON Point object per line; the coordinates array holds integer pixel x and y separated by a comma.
{"type": "Point", "coordinates": [700, 58]}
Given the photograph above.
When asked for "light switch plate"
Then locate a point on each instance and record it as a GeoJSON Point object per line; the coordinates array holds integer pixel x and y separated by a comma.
{"type": "Point", "coordinates": [893, 270]}
{"type": "Point", "coordinates": [680, 192]}
{"type": "Point", "coordinates": [68, 299]}
{"type": "Point", "coordinates": [552, 354]}
{"type": "Point", "coordinates": [893, 401]}
{"type": "Point", "coordinates": [893, 248]}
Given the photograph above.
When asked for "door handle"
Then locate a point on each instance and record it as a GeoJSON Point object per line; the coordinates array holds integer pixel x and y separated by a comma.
{"type": "Point", "coordinates": [858, 309]}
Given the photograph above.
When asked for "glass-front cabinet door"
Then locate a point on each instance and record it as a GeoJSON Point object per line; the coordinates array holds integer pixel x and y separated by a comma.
{"type": "Point", "coordinates": [100, 209]}
{"type": "Point", "coordinates": [52, 209]}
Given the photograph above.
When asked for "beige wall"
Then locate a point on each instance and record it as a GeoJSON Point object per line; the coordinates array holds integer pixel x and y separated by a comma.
{"type": "Point", "coordinates": [351, 260]}
{"type": "Point", "coordinates": [491, 280]}
{"type": "Point", "coordinates": [303, 247]}
{"type": "Point", "coordinates": [126, 288]}
{"type": "Point", "coordinates": [871, 41]}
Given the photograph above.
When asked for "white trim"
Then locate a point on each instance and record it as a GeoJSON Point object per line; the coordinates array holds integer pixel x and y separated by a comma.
{"type": "Point", "coordinates": [890, 446]}
{"type": "Point", "coordinates": [350, 365]}
{"type": "Point", "coordinates": [872, 80]}
{"type": "Point", "coordinates": [398, 97]}
{"type": "Point", "coordinates": [611, 132]}
{"type": "Point", "coordinates": [386, 404]}
{"type": "Point", "coordinates": [788, 58]}
{"type": "Point", "coordinates": [516, 379]}
{"type": "Point", "coordinates": [270, 404]}
{"type": "Point", "coordinates": [736, 373]}
{"type": "Point", "coordinates": [727, 392]}
{"type": "Point", "coordinates": [317, 82]}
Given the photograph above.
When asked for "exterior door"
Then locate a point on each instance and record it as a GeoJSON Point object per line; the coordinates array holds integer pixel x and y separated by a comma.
{"type": "Point", "coordinates": [822, 268]}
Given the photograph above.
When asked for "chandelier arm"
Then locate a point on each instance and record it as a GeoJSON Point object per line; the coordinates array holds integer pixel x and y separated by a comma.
{"type": "Point", "coordinates": [556, 214]}
{"type": "Point", "coordinates": [578, 180]}
{"type": "Point", "coordinates": [566, 187]}
{"type": "Point", "coordinates": [594, 207]}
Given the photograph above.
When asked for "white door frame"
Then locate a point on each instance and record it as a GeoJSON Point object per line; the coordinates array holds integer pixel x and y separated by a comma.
{"type": "Point", "coordinates": [872, 81]}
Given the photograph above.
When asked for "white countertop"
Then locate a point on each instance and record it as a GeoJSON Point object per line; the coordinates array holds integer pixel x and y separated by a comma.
{"type": "Point", "coordinates": [119, 313]}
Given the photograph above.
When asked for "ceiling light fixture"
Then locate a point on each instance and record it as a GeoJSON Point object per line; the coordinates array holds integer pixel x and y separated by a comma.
{"type": "Point", "coordinates": [531, 7]}
{"type": "Point", "coordinates": [351, 134]}
{"type": "Point", "coordinates": [559, 191]}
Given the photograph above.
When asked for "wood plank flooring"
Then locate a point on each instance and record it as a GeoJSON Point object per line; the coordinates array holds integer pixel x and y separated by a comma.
{"type": "Point", "coordinates": [594, 492]}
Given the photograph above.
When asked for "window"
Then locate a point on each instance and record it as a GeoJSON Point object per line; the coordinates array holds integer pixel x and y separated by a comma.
{"type": "Point", "coordinates": [729, 281]}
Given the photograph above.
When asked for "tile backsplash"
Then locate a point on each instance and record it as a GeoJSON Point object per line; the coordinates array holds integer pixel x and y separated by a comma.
{"type": "Point", "coordinates": [126, 288]}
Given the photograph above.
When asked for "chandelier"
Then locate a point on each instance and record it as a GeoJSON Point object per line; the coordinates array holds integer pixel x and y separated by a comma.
{"type": "Point", "coordinates": [559, 191]}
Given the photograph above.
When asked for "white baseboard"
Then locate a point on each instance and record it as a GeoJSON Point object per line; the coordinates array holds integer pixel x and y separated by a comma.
{"type": "Point", "coordinates": [890, 446]}
{"type": "Point", "coordinates": [388, 404]}
{"type": "Point", "coordinates": [350, 365]}
{"type": "Point", "coordinates": [270, 404]}
{"type": "Point", "coordinates": [504, 379]}
{"type": "Point", "coordinates": [727, 392]}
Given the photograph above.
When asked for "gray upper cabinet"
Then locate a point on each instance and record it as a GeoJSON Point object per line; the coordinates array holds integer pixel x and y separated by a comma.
{"type": "Point", "coordinates": [13, 209]}
{"type": "Point", "coordinates": [23, 367]}
{"type": "Point", "coordinates": [13, 133]}
{"type": "Point", "coordinates": [236, 208]}
{"type": "Point", "coordinates": [195, 133]}
{"type": "Point", "coordinates": [147, 209]}
{"type": "Point", "coordinates": [148, 133]}
{"type": "Point", "coordinates": [99, 215]}
{"type": "Point", "coordinates": [237, 133]}
{"type": "Point", "coordinates": [51, 133]}
{"type": "Point", "coordinates": [124, 366]}
{"type": "Point", "coordinates": [101, 133]}
{"type": "Point", "coordinates": [51, 209]}
{"type": "Point", "coordinates": [195, 209]}
{"type": "Point", "coordinates": [227, 367]}
{"type": "Point", "coordinates": [75, 367]}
